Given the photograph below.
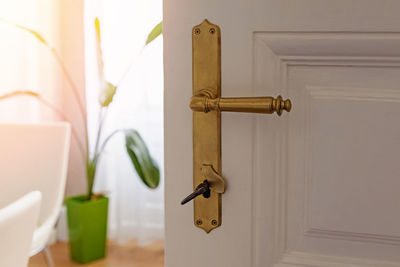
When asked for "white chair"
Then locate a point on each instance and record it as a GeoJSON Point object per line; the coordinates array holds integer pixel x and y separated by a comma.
{"type": "Point", "coordinates": [18, 220]}
{"type": "Point", "coordinates": [35, 157]}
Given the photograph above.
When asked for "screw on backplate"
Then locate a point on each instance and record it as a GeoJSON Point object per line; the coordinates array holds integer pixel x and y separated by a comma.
{"type": "Point", "coordinates": [199, 222]}
{"type": "Point", "coordinates": [214, 222]}
{"type": "Point", "coordinates": [197, 31]}
{"type": "Point", "coordinates": [212, 30]}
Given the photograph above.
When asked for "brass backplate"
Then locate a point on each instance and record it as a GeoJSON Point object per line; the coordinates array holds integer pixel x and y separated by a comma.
{"type": "Point", "coordinates": [206, 41]}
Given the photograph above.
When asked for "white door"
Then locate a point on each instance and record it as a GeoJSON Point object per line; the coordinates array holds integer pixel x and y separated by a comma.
{"type": "Point", "coordinates": [319, 186]}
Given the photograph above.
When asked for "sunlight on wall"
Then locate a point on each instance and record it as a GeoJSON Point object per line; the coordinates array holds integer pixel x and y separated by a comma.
{"type": "Point", "coordinates": [18, 53]}
{"type": "Point", "coordinates": [26, 64]}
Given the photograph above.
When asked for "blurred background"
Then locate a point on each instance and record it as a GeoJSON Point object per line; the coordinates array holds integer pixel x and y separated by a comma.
{"type": "Point", "coordinates": [135, 212]}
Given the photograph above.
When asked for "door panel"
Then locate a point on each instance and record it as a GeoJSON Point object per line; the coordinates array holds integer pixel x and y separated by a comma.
{"type": "Point", "coordinates": [334, 174]}
{"type": "Point", "coordinates": [317, 186]}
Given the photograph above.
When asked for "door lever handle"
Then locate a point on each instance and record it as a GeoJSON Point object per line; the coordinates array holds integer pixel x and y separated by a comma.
{"type": "Point", "coordinates": [205, 102]}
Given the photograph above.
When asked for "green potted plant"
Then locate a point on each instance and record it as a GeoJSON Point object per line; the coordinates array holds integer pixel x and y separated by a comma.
{"type": "Point", "coordinates": [87, 214]}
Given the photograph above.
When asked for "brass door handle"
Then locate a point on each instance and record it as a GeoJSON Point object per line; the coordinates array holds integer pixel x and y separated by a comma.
{"type": "Point", "coordinates": [266, 105]}
{"type": "Point", "coordinates": [207, 105]}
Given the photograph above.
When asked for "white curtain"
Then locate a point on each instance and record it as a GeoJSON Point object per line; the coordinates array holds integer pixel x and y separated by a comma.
{"type": "Point", "coordinates": [135, 211]}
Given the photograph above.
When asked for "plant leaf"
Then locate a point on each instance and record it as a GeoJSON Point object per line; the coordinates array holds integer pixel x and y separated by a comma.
{"type": "Point", "coordinates": [144, 164]}
{"type": "Point", "coordinates": [155, 32]}
{"type": "Point", "coordinates": [90, 175]}
{"type": "Point", "coordinates": [107, 94]}
{"type": "Point", "coordinates": [29, 30]}
{"type": "Point", "coordinates": [19, 93]}
{"type": "Point", "coordinates": [99, 51]}
{"type": "Point", "coordinates": [107, 90]}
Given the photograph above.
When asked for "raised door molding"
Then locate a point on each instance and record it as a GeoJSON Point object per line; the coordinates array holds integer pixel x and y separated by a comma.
{"type": "Point", "coordinates": [278, 57]}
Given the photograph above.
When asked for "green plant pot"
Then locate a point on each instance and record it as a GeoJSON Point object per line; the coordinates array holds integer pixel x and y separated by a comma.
{"type": "Point", "coordinates": [87, 227]}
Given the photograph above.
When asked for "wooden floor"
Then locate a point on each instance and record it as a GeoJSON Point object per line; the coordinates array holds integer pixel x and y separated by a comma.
{"type": "Point", "coordinates": [117, 256]}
